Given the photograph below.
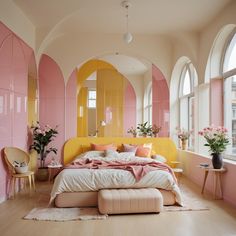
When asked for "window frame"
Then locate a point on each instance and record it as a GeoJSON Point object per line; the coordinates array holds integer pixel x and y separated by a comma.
{"type": "Point", "coordinates": [226, 76]}
{"type": "Point", "coordinates": [92, 99]}
{"type": "Point", "coordinates": [187, 67]}
{"type": "Point", "coordinates": [148, 104]}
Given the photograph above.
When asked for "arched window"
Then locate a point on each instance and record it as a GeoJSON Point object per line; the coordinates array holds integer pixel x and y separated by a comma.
{"type": "Point", "coordinates": [148, 104]}
{"type": "Point", "coordinates": [188, 80]}
{"type": "Point", "coordinates": [229, 74]}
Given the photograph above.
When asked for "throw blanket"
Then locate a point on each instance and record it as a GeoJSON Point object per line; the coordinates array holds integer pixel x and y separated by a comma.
{"type": "Point", "coordinates": [138, 169]}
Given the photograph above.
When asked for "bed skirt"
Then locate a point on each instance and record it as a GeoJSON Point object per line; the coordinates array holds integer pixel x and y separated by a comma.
{"type": "Point", "coordinates": [90, 199]}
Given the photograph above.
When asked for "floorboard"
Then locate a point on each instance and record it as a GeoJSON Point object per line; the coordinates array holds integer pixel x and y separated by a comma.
{"type": "Point", "coordinates": [219, 220]}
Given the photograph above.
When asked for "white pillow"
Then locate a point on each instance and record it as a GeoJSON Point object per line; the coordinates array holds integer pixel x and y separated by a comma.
{"type": "Point", "coordinates": [90, 154]}
{"type": "Point", "coordinates": [159, 158]}
{"type": "Point", "coordinates": [111, 154]}
{"type": "Point", "coordinates": [126, 154]}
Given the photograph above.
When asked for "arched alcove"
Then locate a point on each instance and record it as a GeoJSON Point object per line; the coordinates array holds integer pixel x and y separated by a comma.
{"type": "Point", "coordinates": [116, 98]}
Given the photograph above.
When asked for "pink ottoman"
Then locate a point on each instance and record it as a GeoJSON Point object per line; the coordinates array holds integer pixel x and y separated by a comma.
{"type": "Point", "coordinates": [120, 201]}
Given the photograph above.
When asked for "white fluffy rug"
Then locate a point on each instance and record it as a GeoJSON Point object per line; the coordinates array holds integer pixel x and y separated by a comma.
{"type": "Point", "coordinates": [64, 214]}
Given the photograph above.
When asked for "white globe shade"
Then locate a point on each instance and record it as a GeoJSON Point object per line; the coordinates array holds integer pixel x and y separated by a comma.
{"type": "Point", "coordinates": [127, 37]}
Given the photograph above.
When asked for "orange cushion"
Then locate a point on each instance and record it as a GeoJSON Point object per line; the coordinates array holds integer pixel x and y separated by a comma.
{"type": "Point", "coordinates": [99, 147]}
{"type": "Point", "coordinates": [143, 151]}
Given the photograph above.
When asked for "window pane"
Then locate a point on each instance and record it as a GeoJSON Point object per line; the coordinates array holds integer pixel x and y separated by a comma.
{"type": "Point", "coordinates": [230, 56]}
{"type": "Point", "coordinates": [230, 113]}
{"type": "Point", "coordinates": [191, 121]}
{"type": "Point", "coordinates": [92, 94]}
{"type": "Point", "coordinates": [187, 84]}
{"type": "Point", "coordinates": [92, 103]}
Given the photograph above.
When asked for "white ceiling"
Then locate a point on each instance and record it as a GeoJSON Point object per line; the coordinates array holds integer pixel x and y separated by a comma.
{"type": "Point", "coordinates": [125, 64]}
{"type": "Point", "coordinates": [108, 16]}
{"type": "Point", "coordinates": [149, 16]}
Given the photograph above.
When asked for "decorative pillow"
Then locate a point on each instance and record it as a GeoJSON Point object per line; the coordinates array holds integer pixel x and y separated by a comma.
{"type": "Point", "coordinates": [143, 152]}
{"type": "Point", "coordinates": [111, 153]}
{"type": "Point", "coordinates": [148, 145]}
{"type": "Point", "coordinates": [99, 147]}
{"type": "Point", "coordinates": [129, 148]}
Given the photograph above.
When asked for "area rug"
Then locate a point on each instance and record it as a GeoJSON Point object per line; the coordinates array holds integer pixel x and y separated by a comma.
{"type": "Point", "coordinates": [191, 202]}
{"type": "Point", "coordinates": [64, 214]}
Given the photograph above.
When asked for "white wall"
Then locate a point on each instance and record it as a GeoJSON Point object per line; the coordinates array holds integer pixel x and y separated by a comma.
{"type": "Point", "coordinates": [71, 50]}
{"type": "Point", "coordinates": [14, 18]}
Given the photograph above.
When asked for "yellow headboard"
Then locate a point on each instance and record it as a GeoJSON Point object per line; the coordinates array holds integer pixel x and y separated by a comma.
{"type": "Point", "coordinates": [162, 146]}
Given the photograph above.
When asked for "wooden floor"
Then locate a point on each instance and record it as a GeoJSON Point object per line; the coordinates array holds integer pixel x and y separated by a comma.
{"type": "Point", "coordinates": [219, 220]}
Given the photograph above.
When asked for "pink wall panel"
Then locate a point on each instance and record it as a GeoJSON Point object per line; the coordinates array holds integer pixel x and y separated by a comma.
{"type": "Point", "coordinates": [6, 77]}
{"type": "Point", "coordinates": [4, 32]}
{"type": "Point", "coordinates": [5, 115]}
{"type": "Point", "coordinates": [216, 101]}
{"type": "Point", "coordinates": [160, 102]}
{"type": "Point", "coordinates": [52, 98]}
{"type": "Point", "coordinates": [71, 109]}
{"type": "Point", "coordinates": [13, 92]}
{"type": "Point", "coordinates": [20, 68]}
{"type": "Point", "coordinates": [19, 124]}
{"type": "Point", "coordinates": [129, 108]}
{"type": "Point", "coordinates": [3, 170]}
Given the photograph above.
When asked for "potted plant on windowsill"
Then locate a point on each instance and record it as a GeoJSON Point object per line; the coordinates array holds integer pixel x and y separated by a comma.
{"type": "Point", "coordinates": [183, 135]}
{"type": "Point", "coordinates": [42, 136]}
{"type": "Point", "coordinates": [217, 139]}
{"type": "Point", "coordinates": [144, 129]}
{"type": "Point", "coordinates": [132, 131]}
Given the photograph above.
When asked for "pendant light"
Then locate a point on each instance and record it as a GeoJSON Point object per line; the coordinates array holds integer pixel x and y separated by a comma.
{"type": "Point", "coordinates": [127, 36]}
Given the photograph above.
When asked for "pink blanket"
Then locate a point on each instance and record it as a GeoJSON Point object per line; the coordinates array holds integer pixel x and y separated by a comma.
{"type": "Point", "coordinates": [138, 169]}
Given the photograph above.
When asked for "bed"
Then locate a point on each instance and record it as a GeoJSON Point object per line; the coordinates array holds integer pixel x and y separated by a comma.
{"type": "Point", "coordinates": [80, 187]}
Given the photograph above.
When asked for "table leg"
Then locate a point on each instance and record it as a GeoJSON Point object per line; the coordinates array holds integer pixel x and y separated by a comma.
{"type": "Point", "coordinates": [49, 174]}
{"type": "Point", "coordinates": [220, 189]}
{"type": "Point", "coordinates": [204, 182]}
{"type": "Point", "coordinates": [215, 184]}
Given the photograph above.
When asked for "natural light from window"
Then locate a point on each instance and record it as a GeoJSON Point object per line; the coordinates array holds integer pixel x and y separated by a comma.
{"type": "Point", "coordinates": [92, 98]}
{"type": "Point", "coordinates": [230, 57]}
{"type": "Point", "coordinates": [230, 96]}
{"type": "Point", "coordinates": [187, 84]}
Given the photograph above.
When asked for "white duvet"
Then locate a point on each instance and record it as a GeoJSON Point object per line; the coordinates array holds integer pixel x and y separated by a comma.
{"type": "Point", "coordinates": [80, 180]}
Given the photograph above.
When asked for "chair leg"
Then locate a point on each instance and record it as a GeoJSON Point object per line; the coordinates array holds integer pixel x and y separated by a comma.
{"type": "Point", "coordinates": [29, 178]}
{"type": "Point", "coordinates": [33, 181]}
{"type": "Point", "coordinates": [13, 186]}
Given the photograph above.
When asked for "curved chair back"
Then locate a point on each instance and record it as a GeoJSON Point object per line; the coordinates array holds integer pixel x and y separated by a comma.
{"type": "Point", "coordinates": [15, 154]}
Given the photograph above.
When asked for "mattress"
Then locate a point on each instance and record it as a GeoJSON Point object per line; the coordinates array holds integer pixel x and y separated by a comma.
{"type": "Point", "coordinates": [81, 182]}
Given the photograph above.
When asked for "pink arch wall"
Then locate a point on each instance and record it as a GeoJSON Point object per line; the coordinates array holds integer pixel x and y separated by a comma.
{"type": "Point", "coordinates": [160, 102]}
{"type": "Point", "coordinates": [52, 99]}
{"type": "Point", "coordinates": [14, 60]}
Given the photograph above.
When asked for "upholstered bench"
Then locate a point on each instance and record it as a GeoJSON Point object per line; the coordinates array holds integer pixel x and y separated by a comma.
{"type": "Point", "coordinates": [120, 201]}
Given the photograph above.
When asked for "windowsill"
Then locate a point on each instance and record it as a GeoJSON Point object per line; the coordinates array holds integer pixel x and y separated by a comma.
{"type": "Point", "coordinates": [232, 162]}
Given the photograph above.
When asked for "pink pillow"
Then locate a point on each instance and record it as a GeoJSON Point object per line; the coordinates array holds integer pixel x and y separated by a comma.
{"type": "Point", "coordinates": [129, 148]}
{"type": "Point", "coordinates": [143, 151]}
{"type": "Point", "coordinates": [99, 147]}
